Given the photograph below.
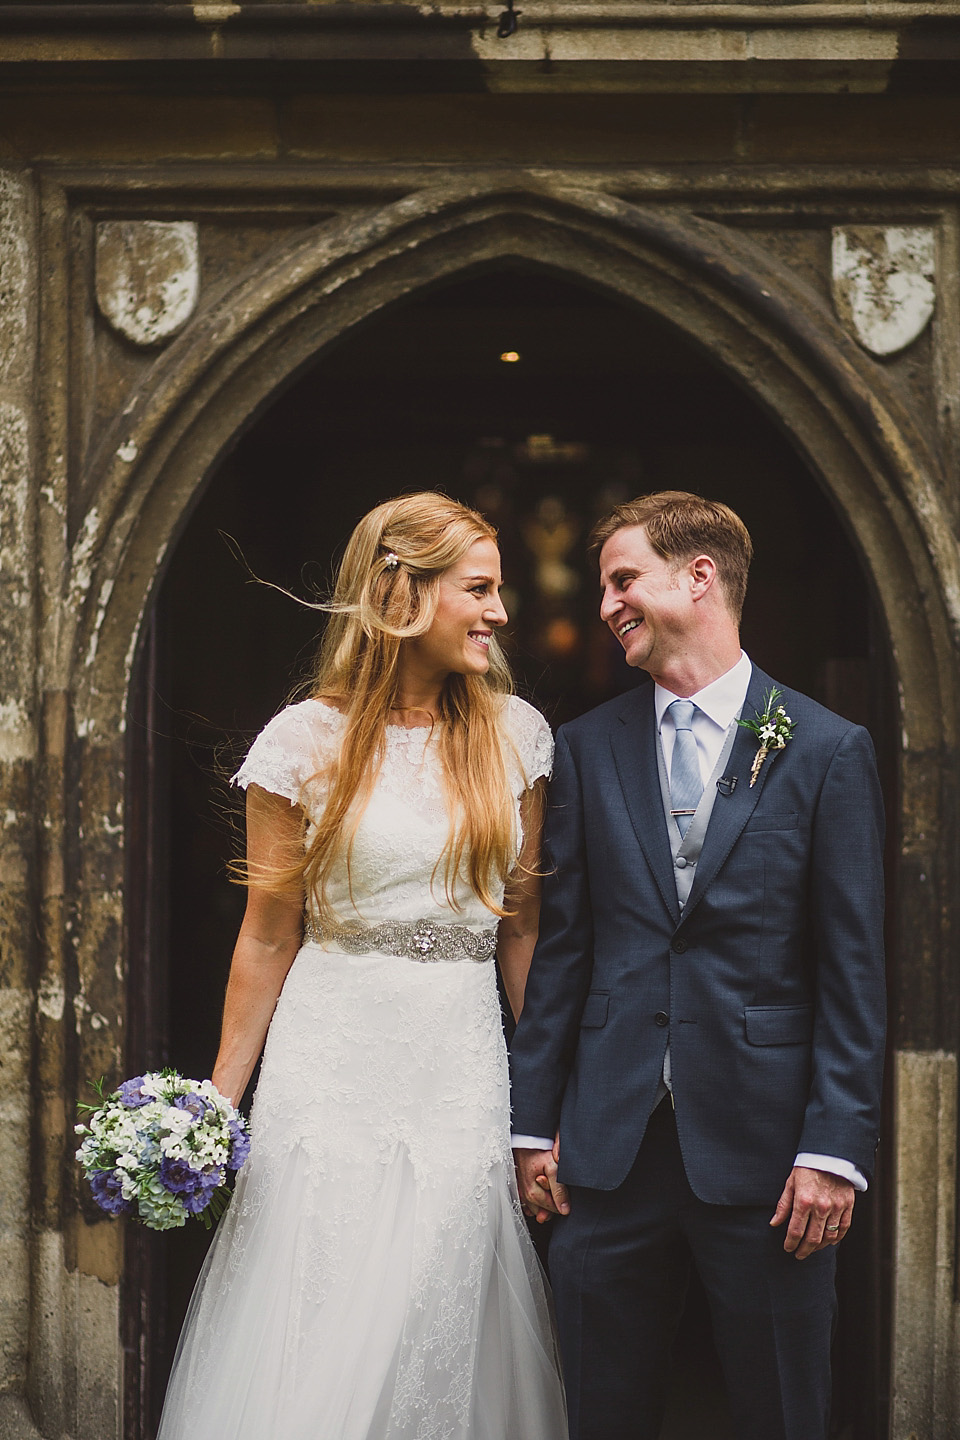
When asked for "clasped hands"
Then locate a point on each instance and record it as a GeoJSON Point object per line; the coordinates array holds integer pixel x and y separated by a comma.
{"type": "Point", "coordinates": [541, 1194]}
{"type": "Point", "coordinates": [818, 1205]}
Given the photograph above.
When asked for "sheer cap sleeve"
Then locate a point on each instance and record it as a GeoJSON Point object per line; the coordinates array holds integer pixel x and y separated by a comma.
{"type": "Point", "coordinates": [286, 753]}
{"type": "Point", "coordinates": [533, 741]}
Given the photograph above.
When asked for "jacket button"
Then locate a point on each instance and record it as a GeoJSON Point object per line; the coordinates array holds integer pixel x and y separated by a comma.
{"type": "Point", "coordinates": [679, 945]}
{"type": "Point", "coordinates": [661, 1018]}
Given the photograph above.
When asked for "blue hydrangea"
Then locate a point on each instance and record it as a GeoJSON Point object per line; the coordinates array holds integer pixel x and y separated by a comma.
{"type": "Point", "coordinates": [157, 1207]}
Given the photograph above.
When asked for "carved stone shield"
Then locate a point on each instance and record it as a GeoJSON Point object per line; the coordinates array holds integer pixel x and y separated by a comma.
{"type": "Point", "coordinates": [883, 283]}
{"type": "Point", "coordinates": [147, 276]}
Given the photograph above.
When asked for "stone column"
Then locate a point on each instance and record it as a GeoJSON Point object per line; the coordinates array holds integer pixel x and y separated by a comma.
{"type": "Point", "coordinates": [75, 1360]}
{"type": "Point", "coordinates": [18, 751]}
{"type": "Point", "coordinates": [925, 1329]}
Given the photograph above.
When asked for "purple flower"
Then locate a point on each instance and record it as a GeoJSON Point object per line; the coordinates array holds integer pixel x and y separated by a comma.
{"type": "Point", "coordinates": [131, 1093]}
{"type": "Point", "coordinates": [196, 1104]}
{"type": "Point", "coordinates": [239, 1147]}
{"type": "Point", "coordinates": [105, 1185]}
{"type": "Point", "coordinates": [201, 1198]}
{"type": "Point", "coordinates": [180, 1178]}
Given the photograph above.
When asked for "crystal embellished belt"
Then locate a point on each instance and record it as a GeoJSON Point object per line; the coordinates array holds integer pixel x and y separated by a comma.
{"type": "Point", "coordinates": [413, 939]}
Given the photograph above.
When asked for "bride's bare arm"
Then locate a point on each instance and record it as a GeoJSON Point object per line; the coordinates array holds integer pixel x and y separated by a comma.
{"type": "Point", "coordinates": [266, 946]}
{"type": "Point", "coordinates": [517, 933]}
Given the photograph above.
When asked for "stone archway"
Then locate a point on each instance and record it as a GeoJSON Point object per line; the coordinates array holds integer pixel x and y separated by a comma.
{"type": "Point", "coordinates": [757, 322]}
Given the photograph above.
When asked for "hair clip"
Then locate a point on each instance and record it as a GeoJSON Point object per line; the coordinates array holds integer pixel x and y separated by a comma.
{"type": "Point", "coordinates": [391, 560]}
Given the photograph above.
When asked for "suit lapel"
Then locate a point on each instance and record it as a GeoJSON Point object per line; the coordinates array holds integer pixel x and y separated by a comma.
{"type": "Point", "coordinates": [731, 812]}
{"type": "Point", "coordinates": [634, 744]}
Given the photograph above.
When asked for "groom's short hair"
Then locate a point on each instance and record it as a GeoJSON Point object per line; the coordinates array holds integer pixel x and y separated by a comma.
{"type": "Point", "coordinates": [680, 525]}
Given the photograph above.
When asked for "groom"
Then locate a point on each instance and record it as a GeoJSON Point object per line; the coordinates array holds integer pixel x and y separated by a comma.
{"type": "Point", "coordinates": [704, 1019]}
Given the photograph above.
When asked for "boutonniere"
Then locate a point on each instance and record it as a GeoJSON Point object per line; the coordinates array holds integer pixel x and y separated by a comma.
{"type": "Point", "coordinates": [772, 727]}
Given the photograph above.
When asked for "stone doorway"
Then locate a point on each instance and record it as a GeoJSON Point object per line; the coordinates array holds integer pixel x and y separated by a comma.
{"type": "Point", "coordinates": [604, 401]}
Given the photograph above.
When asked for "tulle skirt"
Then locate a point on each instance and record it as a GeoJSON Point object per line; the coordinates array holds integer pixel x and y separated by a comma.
{"type": "Point", "coordinates": [372, 1278]}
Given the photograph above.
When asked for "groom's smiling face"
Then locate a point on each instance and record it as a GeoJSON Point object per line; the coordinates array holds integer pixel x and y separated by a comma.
{"type": "Point", "coordinates": [645, 600]}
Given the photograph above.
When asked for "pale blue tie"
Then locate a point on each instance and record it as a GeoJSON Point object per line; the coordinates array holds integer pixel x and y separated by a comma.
{"type": "Point", "coordinates": [686, 784]}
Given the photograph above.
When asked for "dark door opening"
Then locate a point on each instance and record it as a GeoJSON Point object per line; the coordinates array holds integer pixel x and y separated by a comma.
{"type": "Point", "coordinates": [601, 402]}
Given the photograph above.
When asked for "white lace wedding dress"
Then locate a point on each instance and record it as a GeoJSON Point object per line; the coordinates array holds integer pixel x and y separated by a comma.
{"type": "Point", "coordinates": [372, 1278]}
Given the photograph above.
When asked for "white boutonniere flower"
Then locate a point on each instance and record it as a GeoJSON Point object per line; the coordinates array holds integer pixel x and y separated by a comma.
{"type": "Point", "coordinates": [772, 727]}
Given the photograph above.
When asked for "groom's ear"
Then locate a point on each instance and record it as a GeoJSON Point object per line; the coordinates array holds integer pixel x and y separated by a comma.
{"type": "Point", "coordinates": [701, 575]}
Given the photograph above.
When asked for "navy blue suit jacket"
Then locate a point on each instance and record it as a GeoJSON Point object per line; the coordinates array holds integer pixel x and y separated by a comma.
{"type": "Point", "coordinates": [772, 980]}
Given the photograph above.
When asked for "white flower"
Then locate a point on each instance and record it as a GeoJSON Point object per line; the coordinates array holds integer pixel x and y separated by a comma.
{"type": "Point", "coordinates": [178, 1122]}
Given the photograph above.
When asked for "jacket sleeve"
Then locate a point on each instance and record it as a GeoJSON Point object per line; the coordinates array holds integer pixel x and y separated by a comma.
{"type": "Point", "coordinates": [545, 1041]}
{"type": "Point", "coordinates": [846, 896]}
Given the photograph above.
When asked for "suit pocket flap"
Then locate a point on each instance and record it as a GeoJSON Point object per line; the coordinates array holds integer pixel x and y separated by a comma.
{"type": "Point", "coordinates": [779, 1024]}
{"type": "Point", "coordinates": [788, 821]}
{"type": "Point", "coordinates": [595, 1010]}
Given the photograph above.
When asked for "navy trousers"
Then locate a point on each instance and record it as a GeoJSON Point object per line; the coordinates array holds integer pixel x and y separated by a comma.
{"type": "Point", "coordinates": [619, 1264]}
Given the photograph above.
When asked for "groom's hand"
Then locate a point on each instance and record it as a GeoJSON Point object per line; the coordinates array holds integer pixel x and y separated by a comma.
{"type": "Point", "coordinates": [819, 1206]}
{"type": "Point", "coordinates": [541, 1193]}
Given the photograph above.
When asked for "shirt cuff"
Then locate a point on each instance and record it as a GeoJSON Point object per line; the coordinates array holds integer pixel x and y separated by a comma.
{"type": "Point", "coordinates": [833, 1166]}
{"type": "Point", "coordinates": [530, 1142]}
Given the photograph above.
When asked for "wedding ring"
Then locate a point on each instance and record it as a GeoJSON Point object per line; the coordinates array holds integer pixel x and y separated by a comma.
{"type": "Point", "coordinates": [832, 1227]}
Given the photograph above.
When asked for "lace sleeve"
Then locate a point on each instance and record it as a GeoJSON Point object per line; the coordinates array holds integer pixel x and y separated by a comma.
{"type": "Point", "coordinates": [283, 756]}
{"type": "Point", "coordinates": [533, 740]}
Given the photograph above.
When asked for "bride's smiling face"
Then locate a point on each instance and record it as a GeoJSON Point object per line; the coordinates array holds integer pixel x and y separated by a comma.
{"type": "Point", "coordinates": [469, 609]}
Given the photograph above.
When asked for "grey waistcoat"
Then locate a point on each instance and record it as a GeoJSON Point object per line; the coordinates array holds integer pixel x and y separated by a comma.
{"type": "Point", "coordinates": [686, 848]}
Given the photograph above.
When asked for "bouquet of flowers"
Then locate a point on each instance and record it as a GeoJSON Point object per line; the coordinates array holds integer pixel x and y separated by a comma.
{"type": "Point", "coordinates": [160, 1147]}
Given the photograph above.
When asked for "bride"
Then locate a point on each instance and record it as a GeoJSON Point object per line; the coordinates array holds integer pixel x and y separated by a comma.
{"type": "Point", "coordinates": [372, 1278]}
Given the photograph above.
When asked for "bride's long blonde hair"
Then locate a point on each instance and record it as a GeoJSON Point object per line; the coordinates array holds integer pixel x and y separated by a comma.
{"type": "Point", "coordinates": [386, 592]}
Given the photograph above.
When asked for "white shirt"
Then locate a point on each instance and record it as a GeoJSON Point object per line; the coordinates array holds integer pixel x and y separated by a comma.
{"type": "Point", "coordinates": [718, 706]}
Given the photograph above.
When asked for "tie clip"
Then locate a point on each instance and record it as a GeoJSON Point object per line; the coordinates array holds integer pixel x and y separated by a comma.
{"type": "Point", "coordinates": [683, 812]}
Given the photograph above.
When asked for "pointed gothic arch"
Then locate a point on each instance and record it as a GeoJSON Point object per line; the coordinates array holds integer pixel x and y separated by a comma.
{"type": "Point", "coordinates": [750, 314]}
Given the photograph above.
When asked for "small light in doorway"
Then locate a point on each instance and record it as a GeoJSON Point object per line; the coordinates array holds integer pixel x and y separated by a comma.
{"type": "Point", "coordinates": [510, 357]}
